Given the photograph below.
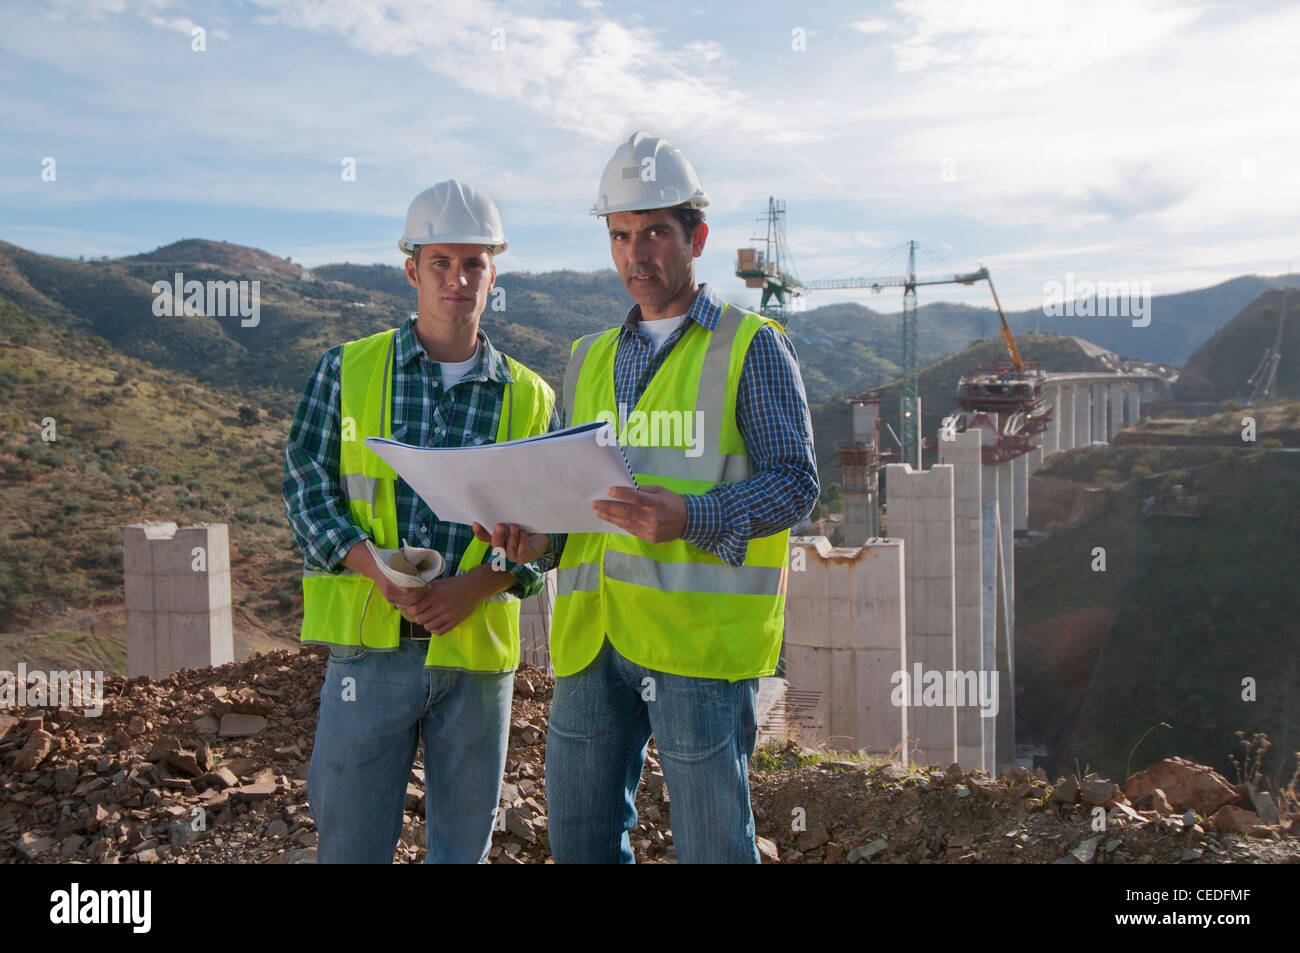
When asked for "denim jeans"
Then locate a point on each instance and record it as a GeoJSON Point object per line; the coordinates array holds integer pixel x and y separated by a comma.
{"type": "Point", "coordinates": [601, 721]}
{"type": "Point", "coordinates": [366, 740]}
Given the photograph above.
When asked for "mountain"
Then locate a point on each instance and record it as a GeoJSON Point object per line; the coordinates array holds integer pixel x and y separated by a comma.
{"type": "Point", "coordinates": [842, 348]}
{"type": "Point", "coordinates": [1221, 367]}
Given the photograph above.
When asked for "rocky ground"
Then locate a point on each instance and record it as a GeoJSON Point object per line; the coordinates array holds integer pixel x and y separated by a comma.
{"type": "Point", "coordinates": [210, 765]}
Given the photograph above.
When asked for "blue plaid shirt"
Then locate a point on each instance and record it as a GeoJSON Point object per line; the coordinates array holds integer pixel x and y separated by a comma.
{"type": "Point", "coordinates": [773, 419]}
{"type": "Point", "coordinates": [423, 415]}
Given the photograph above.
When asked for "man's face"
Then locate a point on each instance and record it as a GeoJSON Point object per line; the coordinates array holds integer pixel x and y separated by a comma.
{"type": "Point", "coordinates": [654, 255]}
{"type": "Point", "coordinates": [452, 282]}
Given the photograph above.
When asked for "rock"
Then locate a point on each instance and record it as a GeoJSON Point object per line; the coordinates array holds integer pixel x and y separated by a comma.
{"type": "Point", "coordinates": [220, 777]}
{"type": "Point", "coordinates": [812, 838]}
{"type": "Point", "coordinates": [523, 687]}
{"type": "Point", "coordinates": [962, 790]}
{"type": "Point", "coordinates": [1086, 850]}
{"type": "Point", "coordinates": [181, 833]}
{"type": "Point", "coordinates": [867, 851]}
{"type": "Point", "coordinates": [30, 845]}
{"type": "Point", "coordinates": [206, 725]}
{"type": "Point", "coordinates": [203, 756]}
{"type": "Point", "coordinates": [834, 853]}
{"type": "Point", "coordinates": [954, 772]}
{"type": "Point", "coordinates": [240, 725]}
{"type": "Point", "coordinates": [1155, 801]}
{"type": "Point", "coordinates": [38, 746]}
{"type": "Point", "coordinates": [1098, 792]}
{"type": "Point", "coordinates": [7, 723]}
{"type": "Point", "coordinates": [277, 828]}
{"type": "Point", "coordinates": [1260, 802]}
{"type": "Point", "coordinates": [65, 778]}
{"type": "Point", "coordinates": [519, 825]}
{"type": "Point", "coordinates": [1230, 819]}
{"type": "Point", "coordinates": [257, 791]}
{"type": "Point", "coordinates": [414, 799]}
{"type": "Point", "coordinates": [767, 851]}
{"type": "Point", "coordinates": [892, 772]}
{"type": "Point", "coordinates": [1065, 792]}
{"type": "Point", "coordinates": [70, 846]}
{"type": "Point", "coordinates": [1186, 785]}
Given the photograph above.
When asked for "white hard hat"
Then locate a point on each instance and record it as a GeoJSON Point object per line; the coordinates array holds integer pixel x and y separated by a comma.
{"type": "Point", "coordinates": [648, 173]}
{"type": "Point", "coordinates": [452, 213]}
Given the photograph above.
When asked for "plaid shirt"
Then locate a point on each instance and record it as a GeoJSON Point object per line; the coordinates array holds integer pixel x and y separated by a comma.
{"type": "Point", "coordinates": [423, 415]}
{"type": "Point", "coordinates": [773, 419]}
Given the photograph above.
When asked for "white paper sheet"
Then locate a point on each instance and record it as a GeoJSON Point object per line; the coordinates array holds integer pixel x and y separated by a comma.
{"type": "Point", "coordinates": [546, 484]}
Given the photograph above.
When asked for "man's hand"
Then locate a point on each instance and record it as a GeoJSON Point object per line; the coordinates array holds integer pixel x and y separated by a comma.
{"type": "Point", "coordinates": [653, 513]}
{"type": "Point", "coordinates": [511, 539]}
{"type": "Point", "coordinates": [445, 603]}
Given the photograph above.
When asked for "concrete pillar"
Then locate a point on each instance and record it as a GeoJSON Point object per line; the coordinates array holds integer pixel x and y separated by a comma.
{"type": "Point", "coordinates": [1099, 410]}
{"type": "Point", "coordinates": [177, 587]}
{"type": "Point", "coordinates": [1004, 750]}
{"type": "Point", "coordinates": [1020, 477]}
{"type": "Point", "coordinates": [921, 512]}
{"type": "Point", "coordinates": [1082, 415]}
{"type": "Point", "coordinates": [1052, 435]}
{"type": "Point", "coordinates": [535, 625]}
{"type": "Point", "coordinates": [845, 637]}
{"type": "Point", "coordinates": [1065, 414]}
{"type": "Point", "coordinates": [1116, 401]}
{"type": "Point", "coordinates": [965, 453]}
{"type": "Point", "coordinates": [1133, 400]}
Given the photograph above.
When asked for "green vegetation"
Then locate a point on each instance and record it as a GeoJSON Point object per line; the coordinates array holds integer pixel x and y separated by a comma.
{"type": "Point", "coordinates": [167, 451]}
{"type": "Point", "coordinates": [1199, 602]}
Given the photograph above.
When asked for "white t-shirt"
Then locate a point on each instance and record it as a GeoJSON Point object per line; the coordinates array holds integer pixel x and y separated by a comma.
{"type": "Point", "coordinates": [451, 373]}
{"type": "Point", "coordinates": [661, 329]}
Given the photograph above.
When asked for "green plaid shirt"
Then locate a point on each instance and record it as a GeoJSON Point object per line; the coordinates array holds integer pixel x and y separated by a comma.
{"type": "Point", "coordinates": [423, 415]}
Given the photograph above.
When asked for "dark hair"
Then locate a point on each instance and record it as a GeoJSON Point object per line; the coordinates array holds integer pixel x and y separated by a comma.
{"type": "Point", "coordinates": [688, 216]}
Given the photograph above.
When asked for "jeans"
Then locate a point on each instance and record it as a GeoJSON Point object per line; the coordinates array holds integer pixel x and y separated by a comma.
{"type": "Point", "coordinates": [366, 740]}
{"type": "Point", "coordinates": [601, 721]}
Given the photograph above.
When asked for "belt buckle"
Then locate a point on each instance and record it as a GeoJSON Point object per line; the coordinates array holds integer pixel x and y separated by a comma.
{"type": "Point", "coordinates": [409, 630]}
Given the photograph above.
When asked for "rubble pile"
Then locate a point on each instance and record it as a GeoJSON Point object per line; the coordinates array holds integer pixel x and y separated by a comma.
{"type": "Point", "coordinates": [210, 766]}
{"type": "Point", "coordinates": [850, 811]}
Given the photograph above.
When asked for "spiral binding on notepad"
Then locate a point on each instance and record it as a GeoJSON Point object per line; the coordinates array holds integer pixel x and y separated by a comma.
{"type": "Point", "coordinates": [627, 463]}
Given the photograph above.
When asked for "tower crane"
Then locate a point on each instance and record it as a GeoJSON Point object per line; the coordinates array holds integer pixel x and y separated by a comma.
{"type": "Point", "coordinates": [763, 268]}
{"type": "Point", "coordinates": [910, 406]}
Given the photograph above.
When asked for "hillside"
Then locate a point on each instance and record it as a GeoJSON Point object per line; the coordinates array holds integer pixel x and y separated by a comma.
{"type": "Point", "coordinates": [1221, 367]}
{"type": "Point", "coordinates": [842, 348]}
{"type": "Point", "coordinates": [1197, 594]}
{"type": "Point", "coordinates": [132, 443]}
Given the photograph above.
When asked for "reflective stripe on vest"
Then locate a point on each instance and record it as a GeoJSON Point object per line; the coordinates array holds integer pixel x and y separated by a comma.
{"type": "Point", "coordinates": [671, 606]}
{"type": "Point", "coordinates": [345, 607]}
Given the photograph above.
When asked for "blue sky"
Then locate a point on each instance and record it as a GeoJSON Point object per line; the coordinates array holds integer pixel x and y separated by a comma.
{"type": "Point", "coordinates": [1115, 140]}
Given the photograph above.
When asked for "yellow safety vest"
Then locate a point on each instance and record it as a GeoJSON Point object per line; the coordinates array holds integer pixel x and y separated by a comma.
{"type": "Point", "coordinates": [346, 608]}
{"type": "Point", "coordinates": [672, 606]}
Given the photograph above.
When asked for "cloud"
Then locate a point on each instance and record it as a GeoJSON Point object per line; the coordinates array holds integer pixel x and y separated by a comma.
{"type": "Point", "coordinates": [586, 76]}
{"type": "Point", "coordinates": [1008, 43]}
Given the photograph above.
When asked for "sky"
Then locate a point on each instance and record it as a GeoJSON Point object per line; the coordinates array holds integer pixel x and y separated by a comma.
{"type": "Point", "coordinates": [1111, 140]}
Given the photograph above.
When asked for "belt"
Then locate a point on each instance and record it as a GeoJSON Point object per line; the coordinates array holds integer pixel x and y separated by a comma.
{"type": "Point", "coordinates": [414, 631]}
